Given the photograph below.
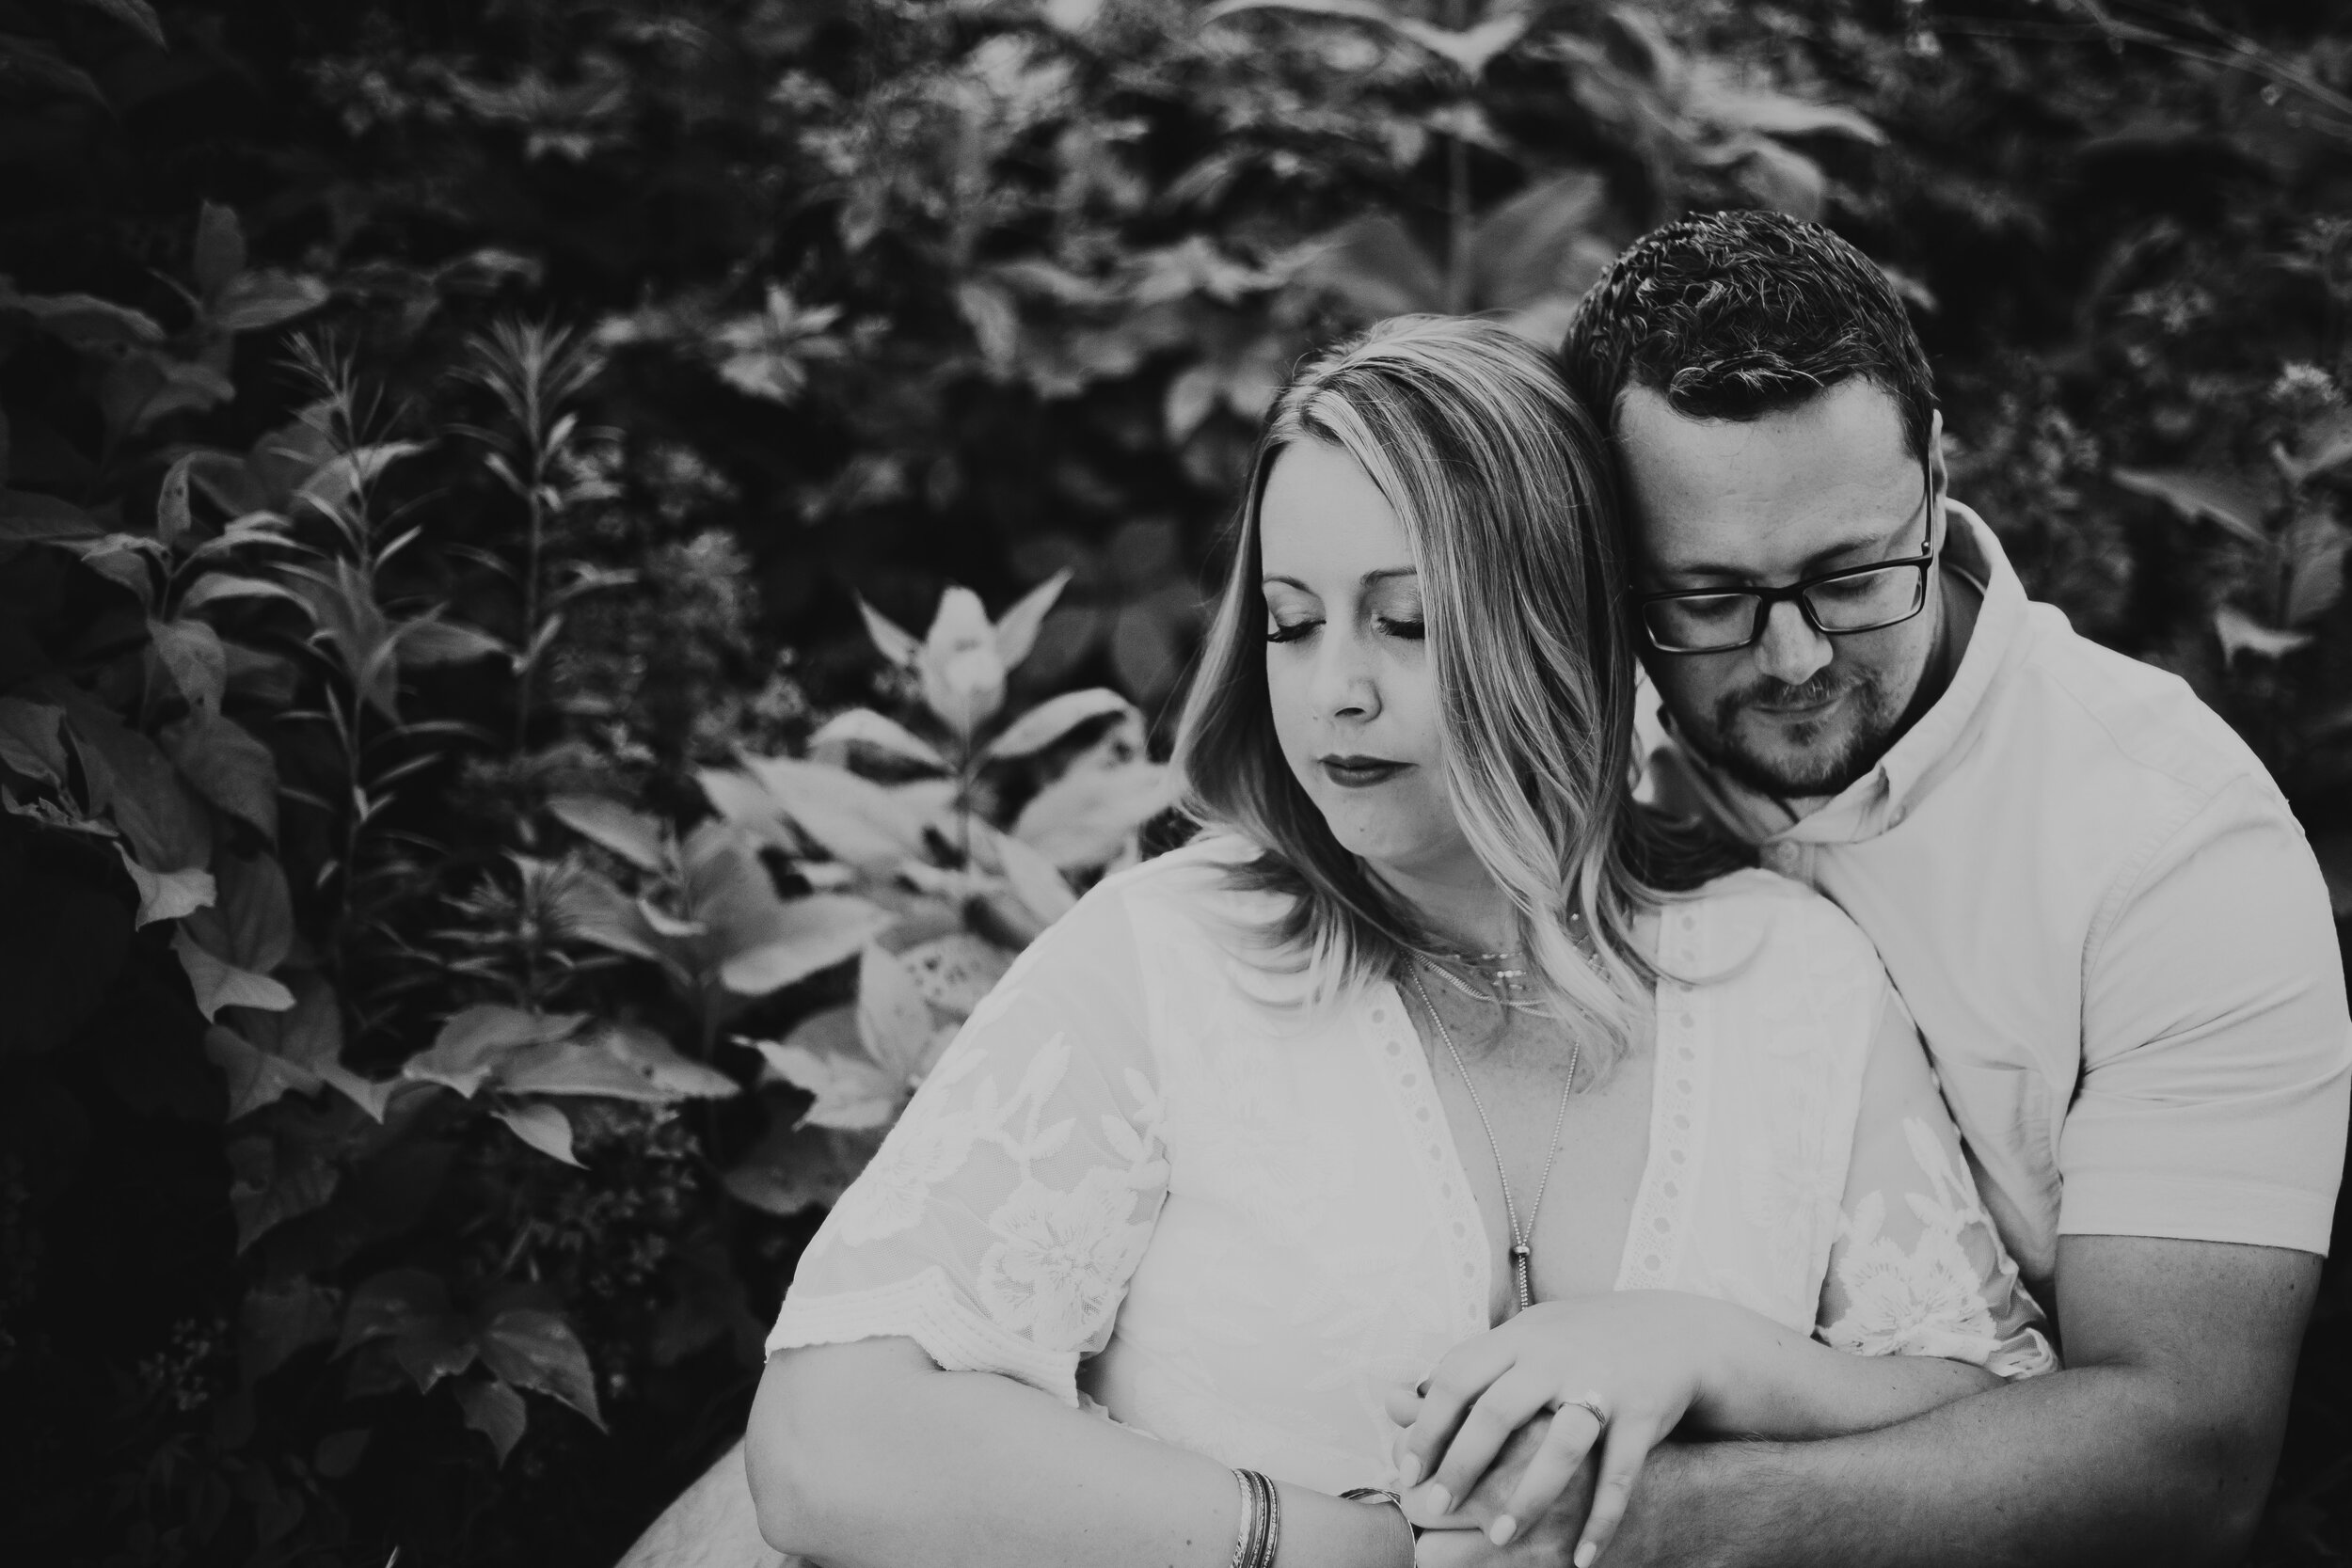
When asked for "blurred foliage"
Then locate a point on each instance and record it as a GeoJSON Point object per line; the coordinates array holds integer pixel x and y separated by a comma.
{"type": "Point", "coordinates": [489, 854]}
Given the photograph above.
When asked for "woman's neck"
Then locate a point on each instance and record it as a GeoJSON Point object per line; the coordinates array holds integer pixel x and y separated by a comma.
{"type": "Point", "coordinates": [1460, 905]}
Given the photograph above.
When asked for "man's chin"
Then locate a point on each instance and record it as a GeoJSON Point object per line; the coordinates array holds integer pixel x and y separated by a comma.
{"type": "Point", "coordinates": [1797, 765]}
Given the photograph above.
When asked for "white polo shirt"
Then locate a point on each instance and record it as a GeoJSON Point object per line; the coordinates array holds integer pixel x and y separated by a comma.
{"type": "Point", "coordinates": [2108, 926]}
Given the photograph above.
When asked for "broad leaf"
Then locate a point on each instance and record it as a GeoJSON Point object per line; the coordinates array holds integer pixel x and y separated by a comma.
{"type": "Point", "coordinates": [896, 643]}
{"type": "Point", "coordinates": [2326, 444]}
{"type": "Point", "coordinates": [251, 924]}
{"type": "Point", "coordinates": [136, 14]}
{"type": "Point", "coordinates": [166, 895]}
{"type": "Point", "coordinates": [495, 1411]}
{"type": "Point", "coordinates": [538, 1350]}
{"type": "Point", "coordinates": [471, 1045]}
{"type": "Point", "coordinates": [1083, 818]}
{"type": "Point", "coordinates": [190, 651]}
{"type": "Point", "coordinates": [29, 741]}
{"type": "Point", "coordinates": [955, 972]}
{"type": "Point", "coordinates": [543, 1126]}
{"type": "Point", "coordinates": [793, 1169]}
{"type": "Point", "coordinates": [632, 835]}
{"type": "Point", "coordinates": [428, 644]}
{"type": "Point", "coordinates": [769, 945]}
{"type": "Point", "coordinates": [961, 672]}
{"type": "Point", "coordinates": [1017, 628]}
{"type": "Point", "coordinates": [852, 1093]}
{"type": "Point", "coordinates": [255, 300]}
{"type": "Point", "coordinates": [131, 781]}
{"type": "Point", "coordinates": [82, 321]}
{"type": "Point", "coordinates": [1472, 50]}
{"type": "Point", "coordinates": [214, 587]}
{"type": "Point", "coordinates": [390, 1302]}
{"type": "Point", "coordinates": [230, 766]}
{"type": "Point", "coordinates": [2240, 633]}
{"type": "Point", "coordinates": [1544, 241]}
{"type": "Point", "coordinates": [2314, 547]}
{"type": "Point", "coordinates": [172, 519]}
{"type": "Point", "coordinates": [1053, 719]}
{"type": "Point", "coordinates": [1032, 877]}
{"type": "Point", "coordinates": [1378, 268]}
{"type": "Point", "coordinates": [2223, 499]}
{"type": "Point", "coordinates": [256, 1078]}
{"type": "Point", "coordinates": [895, 1025]}
{"type": "Point", "coordinates": [862, 726]}
{"type": "Point", "coordinates": [272, 1183]}
{"type": "Point", "coordinates": [854, 820]}
{"type": "Point", "coordinates": [280, 1317]}
{"type": "Point", "coordinates": [220, 251]}
{"type": "Point", "coordinates": [614, 1061]}
{"type": "Point", "coordinates": [219, 983]}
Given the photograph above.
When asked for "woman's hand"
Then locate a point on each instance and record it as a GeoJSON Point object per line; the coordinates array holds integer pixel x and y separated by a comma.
{"type": "Point", "coordinates": [1644, 1357]}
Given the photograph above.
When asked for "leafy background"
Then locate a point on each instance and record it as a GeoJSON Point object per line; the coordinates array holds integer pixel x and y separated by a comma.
{"type": "Point", "coordinates": [575, 581]}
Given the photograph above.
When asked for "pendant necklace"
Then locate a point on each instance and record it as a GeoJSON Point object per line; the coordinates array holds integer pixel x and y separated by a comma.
{"type": "Point", "coordinates": [1522, 1249]}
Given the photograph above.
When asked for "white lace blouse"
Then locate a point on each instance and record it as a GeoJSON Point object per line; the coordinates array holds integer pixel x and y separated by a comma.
{"type": "Point", "coordinates": [1233, 1227]}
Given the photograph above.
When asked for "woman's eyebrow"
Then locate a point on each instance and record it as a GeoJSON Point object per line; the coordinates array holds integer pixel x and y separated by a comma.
{"type": "Point", "coordinates": [1380, 575]}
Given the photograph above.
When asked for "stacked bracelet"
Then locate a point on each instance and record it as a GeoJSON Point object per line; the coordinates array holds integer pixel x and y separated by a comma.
{"type": "Point", "coordinates": [1261, 1534]}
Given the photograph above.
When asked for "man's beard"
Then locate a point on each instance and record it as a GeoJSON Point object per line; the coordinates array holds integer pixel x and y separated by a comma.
{"type": "Point", "coordinates": [1815, 764]}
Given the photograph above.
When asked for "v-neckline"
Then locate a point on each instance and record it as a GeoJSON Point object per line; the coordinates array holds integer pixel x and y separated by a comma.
{"type": "Point", "coordinates": [1653, 1225]}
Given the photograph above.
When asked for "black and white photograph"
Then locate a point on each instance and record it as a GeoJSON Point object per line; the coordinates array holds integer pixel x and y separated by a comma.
{"type": "Point", "coordinates": [1175, 783]}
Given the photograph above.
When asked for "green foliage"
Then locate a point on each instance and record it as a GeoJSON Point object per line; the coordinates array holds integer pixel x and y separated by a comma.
{"type": "Point", "coordinates": [492, 854]}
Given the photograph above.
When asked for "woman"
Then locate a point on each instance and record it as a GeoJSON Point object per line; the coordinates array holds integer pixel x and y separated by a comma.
{"type": "Point", "coordinates": [1431, 1025]}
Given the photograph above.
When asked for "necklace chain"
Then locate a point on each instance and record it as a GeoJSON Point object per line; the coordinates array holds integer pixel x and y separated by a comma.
{"type": "Point", "coordinates": [1522, 1246]}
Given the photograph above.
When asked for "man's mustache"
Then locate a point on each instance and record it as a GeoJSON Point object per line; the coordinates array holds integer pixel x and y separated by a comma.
{"type": "Point", "coordinates": [1769, 694]}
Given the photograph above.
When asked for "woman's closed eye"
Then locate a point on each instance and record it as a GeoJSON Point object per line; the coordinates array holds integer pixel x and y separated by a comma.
{"type": "Point", "coordinates": [1291, 631]}
{"type": "Point", "coordinates": [1396, 626]}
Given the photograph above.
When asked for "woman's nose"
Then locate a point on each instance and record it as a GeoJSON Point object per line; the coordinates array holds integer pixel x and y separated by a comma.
{"type": "Point", "coordinates": [1344, 686]}
{"type": "Point", "coordinates": [1792, 652]}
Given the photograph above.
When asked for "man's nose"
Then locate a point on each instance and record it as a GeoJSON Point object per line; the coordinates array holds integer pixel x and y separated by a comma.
{"type": "Point", "coordinates": [1792, 652]}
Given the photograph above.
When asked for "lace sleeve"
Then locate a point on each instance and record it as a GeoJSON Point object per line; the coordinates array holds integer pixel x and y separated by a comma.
{"type": "Point", "coordinates": [1001, 1221]}
{"type": "Point", "coordinates": [1917, 1267]}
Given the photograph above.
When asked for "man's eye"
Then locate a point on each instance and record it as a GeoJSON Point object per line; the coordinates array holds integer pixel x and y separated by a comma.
{"type": "Point", "coordinates": [1410, 631]}
{"type": "Point", "coordinates": [1289, 631]}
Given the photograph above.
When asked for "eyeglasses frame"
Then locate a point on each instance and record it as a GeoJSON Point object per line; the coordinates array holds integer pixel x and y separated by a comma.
{"type": "Point", "coordinates": [1795, 592]}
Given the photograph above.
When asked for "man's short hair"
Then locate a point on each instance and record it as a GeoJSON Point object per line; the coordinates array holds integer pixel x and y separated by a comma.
{"type": "Point", "coordinates": [1737, 315]}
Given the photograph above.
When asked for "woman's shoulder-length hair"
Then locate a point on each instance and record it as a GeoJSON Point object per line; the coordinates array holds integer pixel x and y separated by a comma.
{"type": "Point", "coordinates": [1505, 495]}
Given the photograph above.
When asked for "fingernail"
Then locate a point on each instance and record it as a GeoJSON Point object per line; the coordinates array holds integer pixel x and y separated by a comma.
{"type": "Point", "coordinates": [1408, 1472]}
{"type": "Point", "coordinates": [1585, 1553]}
{"type": "Point", "coordinates": [1441, 1501]}
{"type": "Point", "coordinates": [1500, 1531]}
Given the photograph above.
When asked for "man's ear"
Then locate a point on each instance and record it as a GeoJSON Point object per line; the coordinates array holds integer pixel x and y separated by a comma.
{"type": "Point", "coordinates": [1936, 474]}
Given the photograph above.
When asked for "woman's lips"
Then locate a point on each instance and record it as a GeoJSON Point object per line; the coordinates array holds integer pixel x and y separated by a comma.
{"type": "Point", "coordinates": [1359, 772]}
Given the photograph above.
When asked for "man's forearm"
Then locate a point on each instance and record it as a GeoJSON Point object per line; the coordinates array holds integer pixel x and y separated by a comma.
{"type": "Point", "coordinates": [712, 1524]}
{"type": "Point", "coordinates": [2059, 1471]}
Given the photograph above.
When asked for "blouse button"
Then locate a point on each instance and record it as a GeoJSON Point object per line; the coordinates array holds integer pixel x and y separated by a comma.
{"type": "Point", "coordinates": [1683, 1083]}
{"type": "Point", "coordinates": [1411, 1079]}
{"type": "Point", "coordinates": [1651, 1263]}
{"type": "Point", "coordinates": [1396, 1046]}
{"type": "Point", "coordinates": [1659, 1224]}
{"type": "Point", "coordinates": [1379, 1015]}
{"type": "Point", "coordinates": [1689, 923]}
{"type": "Point", "coordinates": [1676, 1156]}
{"type": "Point", "coordinates": [1424, 1113]}
{"type": "Point", "coordinates": [1433, 1151]}
{"type": "Point", "coordinates": [1671, 1189]}
{"type": "Point", "coordinates": [1688, 1020]}
{"type": "Point", "coordinates": [1683, 1122]}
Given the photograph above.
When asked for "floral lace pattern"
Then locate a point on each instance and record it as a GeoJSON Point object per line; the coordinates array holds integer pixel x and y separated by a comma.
{"type": "Point", "coordinates": [1130, 1181]}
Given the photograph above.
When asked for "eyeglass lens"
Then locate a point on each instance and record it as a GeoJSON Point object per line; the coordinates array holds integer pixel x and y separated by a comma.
{"type": "Point", "coordinates": [1862, 602]}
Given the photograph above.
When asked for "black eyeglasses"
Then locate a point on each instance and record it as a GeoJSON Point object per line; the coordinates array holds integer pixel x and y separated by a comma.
{"type": "Point", "coordinates": [1835, 604]}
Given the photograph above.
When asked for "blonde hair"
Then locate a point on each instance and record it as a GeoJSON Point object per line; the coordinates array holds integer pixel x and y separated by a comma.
{"type": "Point", "coordinates": [1502, 484]}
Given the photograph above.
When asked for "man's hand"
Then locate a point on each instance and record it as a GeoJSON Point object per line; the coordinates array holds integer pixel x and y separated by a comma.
{"type": "Point", "coordinates": [1457, 1539]}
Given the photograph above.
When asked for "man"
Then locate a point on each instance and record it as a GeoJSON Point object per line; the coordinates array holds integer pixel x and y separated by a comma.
{"type": "Point", "coordinates": [2095, 902]}
{"type": "Point", "coordinates": [2097, 905]}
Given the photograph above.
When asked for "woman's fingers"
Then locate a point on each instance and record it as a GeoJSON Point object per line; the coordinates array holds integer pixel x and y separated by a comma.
{"type": "Point", "coordinates": [1568, 1439]}
{"type": "Point", "coordinates": [1625, 1446]}
{"type": "Point", "coordinates": [1448, 1394]}
{"type": "Point", "coordinates": [1403, 1405]}
{"type": "Point", "coordinates": [1508, 1403]}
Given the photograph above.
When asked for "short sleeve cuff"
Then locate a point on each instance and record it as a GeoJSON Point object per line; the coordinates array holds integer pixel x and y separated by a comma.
{"type": "Point", "coordinates": [2172, 1207]}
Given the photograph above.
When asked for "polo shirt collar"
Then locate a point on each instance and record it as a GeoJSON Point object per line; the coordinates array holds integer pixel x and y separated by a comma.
{"type": "Point", "coordinates": [1883, 796]}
